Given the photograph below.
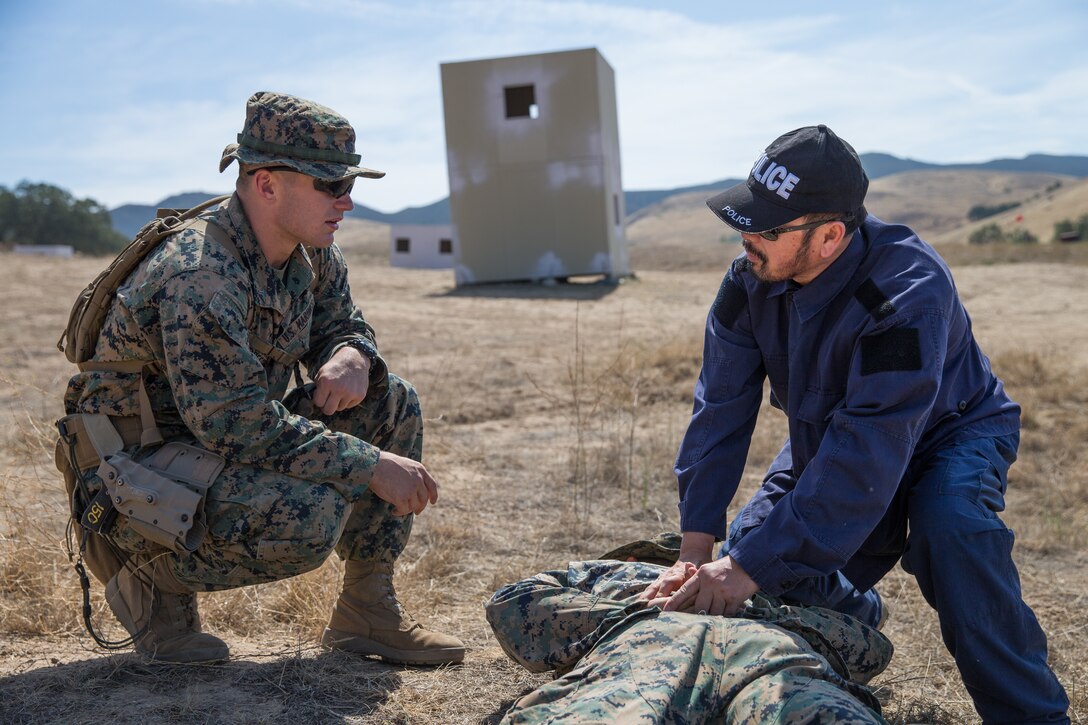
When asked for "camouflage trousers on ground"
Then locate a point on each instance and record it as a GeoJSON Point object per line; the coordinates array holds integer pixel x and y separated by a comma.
{"type": "Point", "coordinates": [622, 662]}
{"type": "Point", "coordinates": [264, 526]}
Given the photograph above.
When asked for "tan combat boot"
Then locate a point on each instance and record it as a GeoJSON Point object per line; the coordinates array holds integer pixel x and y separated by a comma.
{"type": "Point", "coordinates": [171, 625]}
{"type": "Point", "coordinates": [368, 619]}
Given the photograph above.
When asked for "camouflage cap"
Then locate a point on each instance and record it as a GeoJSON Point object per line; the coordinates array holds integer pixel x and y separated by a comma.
{"type": "Point", "coordinates": [283, 130]}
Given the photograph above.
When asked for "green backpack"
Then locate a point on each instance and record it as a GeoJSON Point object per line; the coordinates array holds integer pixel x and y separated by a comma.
{"type": "Point", "coordinates": [89, 311]}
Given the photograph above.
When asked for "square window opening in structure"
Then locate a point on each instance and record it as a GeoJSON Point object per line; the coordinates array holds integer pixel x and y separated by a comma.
{"type": "Point", "coordinates": [445, 246]}
{"type": "Point", "coordinates": [404, 245]}
{"type": "Point", "coordinates": [521, 102]}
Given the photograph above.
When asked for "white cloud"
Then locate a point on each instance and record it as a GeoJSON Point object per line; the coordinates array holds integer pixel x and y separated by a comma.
{"type": "Point", "coordinates": [135, 102]}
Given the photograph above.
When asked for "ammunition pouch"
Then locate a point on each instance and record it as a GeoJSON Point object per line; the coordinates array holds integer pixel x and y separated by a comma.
{"type": "Point", "coordinates": [162, 496]}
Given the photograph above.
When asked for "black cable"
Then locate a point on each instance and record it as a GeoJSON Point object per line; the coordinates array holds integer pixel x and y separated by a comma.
{"type": "Point", "coordinates": [84, 581]}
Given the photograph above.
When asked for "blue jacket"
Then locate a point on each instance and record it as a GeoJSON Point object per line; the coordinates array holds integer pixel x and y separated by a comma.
{"type": "Point", "coordinates": [874, 364]}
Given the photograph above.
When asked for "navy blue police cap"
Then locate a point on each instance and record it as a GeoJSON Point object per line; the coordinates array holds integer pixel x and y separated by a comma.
{"type": "Point", "coordinates": [809, 170]}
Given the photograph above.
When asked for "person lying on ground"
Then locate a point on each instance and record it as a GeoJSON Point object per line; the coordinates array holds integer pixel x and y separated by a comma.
{"type": "Point", "coordinates": [619, 658]}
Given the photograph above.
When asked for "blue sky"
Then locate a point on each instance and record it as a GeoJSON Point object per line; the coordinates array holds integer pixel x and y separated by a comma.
{"type": "Point", "coordinates": [133, 101]}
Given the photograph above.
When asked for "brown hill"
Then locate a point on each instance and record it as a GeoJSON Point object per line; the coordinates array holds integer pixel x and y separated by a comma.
{"type": "Point", "coordinates": [932, 202]}
{"type": "Point", "coordinates": [935, 202]}
{"type": "Point", "coordinates": [679, 232]}
{"type": "Point", "coordinates": [1037, 215]}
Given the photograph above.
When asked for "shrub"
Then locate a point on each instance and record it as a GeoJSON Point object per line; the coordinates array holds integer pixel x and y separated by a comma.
{"type": "Point", "coordinates": [988, 234]}
{"type": "Point", "coordinates": [1022, 236]}
{"type": "Point", "coordinates": [993, 234]}
{"type": "Point", "coordinates": [1065, 226]}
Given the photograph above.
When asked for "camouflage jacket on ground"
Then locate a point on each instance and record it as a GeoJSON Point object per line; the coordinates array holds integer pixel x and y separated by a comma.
{"type": "Point", "coordinates": [191, 306]}
{"type": "Point", "coordinates": [586, 623]}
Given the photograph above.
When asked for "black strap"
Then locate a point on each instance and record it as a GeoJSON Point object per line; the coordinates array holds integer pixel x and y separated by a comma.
{"type": "Point", "coordinates": [875, 301]}
{"type": "Point", "coordinates": [85, 587]}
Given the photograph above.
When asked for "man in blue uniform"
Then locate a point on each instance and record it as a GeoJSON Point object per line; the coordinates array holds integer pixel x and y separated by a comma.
{"type": "Point", "coordinates": [900, 436]}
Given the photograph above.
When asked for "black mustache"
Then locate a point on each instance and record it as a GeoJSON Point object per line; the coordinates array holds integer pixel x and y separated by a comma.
{"type": "Point", "coordinates": [754, 252]}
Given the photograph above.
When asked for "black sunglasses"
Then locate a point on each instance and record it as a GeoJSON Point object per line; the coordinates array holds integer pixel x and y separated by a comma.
{"type": "Point", "coordinates": [335, 189]}
{"type": "Point", "coordinates": [771, 235]}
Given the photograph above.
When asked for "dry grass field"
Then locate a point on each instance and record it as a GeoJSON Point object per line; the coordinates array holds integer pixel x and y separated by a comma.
{"type": "Point", "coordinates": [553, 416]}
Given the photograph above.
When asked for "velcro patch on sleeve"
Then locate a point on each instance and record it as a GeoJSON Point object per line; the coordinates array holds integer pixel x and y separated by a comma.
{"type": "Point", "coordinates": [897, 349]}
{"type": "Point", "coordinates": [730, 302]}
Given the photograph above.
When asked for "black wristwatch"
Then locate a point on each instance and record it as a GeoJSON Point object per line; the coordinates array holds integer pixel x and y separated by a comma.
{"type": "Point", "coordinates": [364, 346]}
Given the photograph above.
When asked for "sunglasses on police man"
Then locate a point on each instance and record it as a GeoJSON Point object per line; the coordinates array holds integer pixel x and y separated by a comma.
{"type": "Point", "coordinates": [771, 235]}
{"type": "Point", "coordinates": [335, 188]}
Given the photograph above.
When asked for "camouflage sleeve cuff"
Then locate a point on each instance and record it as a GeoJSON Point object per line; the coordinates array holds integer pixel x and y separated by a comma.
{"type": "Point", "coordinates": [549, 621]}
{"type": "Point", "coordinates": [355, 479]}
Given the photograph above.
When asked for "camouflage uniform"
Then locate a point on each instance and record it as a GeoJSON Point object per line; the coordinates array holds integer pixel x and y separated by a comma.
{"type": "Point", "coordinates": [620, 661]}
{"type": "Point", "coordinates": [295, 486]}
{"type": "Point", "coordinates": [197, 350]}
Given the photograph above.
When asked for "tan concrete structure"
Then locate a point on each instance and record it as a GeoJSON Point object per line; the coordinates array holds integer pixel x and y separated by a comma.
{"type": "Point", "coordinates": [532, 146]}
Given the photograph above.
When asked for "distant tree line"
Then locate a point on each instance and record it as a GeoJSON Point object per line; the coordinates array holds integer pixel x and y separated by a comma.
{"type": "Point", "coordinates": [981, 211]}
{"type": "Point", "coordinates": [44, 214]}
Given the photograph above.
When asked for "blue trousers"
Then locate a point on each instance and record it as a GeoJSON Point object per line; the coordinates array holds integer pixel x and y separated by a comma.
{"type": "Point", "coordinates": [944, 526]}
